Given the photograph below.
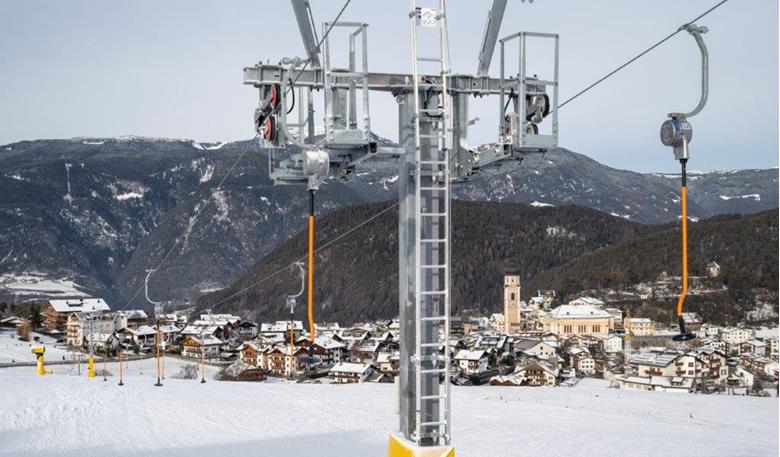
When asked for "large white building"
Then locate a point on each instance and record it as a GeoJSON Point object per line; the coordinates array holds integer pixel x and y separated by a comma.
{"type": "Point", "coordinates": [734, 335]}
{"type": "Point", "coordinates": [580, 320]}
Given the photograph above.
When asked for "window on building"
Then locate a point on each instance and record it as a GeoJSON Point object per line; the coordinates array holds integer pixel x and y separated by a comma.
{"type": "Point", "coordinates": [596, 329]}
{"type": "Point", "coordinates": [582, 328]}
{"type": "Point", "coordinates": [512, 296]}
{"type": "Point", "coordinates": [567, 329]}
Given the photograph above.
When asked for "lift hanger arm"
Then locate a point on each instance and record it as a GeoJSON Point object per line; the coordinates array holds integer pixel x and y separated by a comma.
{"type": "Point", "coordinates": [696, 31]}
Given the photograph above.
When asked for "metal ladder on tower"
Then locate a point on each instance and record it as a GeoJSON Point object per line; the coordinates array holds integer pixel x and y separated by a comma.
{"type": "Point", "coordinates": [432, 226]}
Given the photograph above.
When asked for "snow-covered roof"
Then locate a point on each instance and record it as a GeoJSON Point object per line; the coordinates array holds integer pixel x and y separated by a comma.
{"type": "Point", "coordinates": [142, 330]}
{"type": "Point", "coordinates": [208, 340]}
{"type": "Point", "coordinates": [578, 312]}
{"type": "Point", "coordinates": [134, 314]}
{"type": "Point", "coordinates": [465, 354]}
{"type": "Point", "coordinates": [327, 343]}
{"type": "Point", "coordinates": [654, 359]}
{"type": "Point", "coordinates": [79, 305]}
{"type": "Point", "coordinates": [348, 367]}
{"type": "Point", "coordinates": [280, 326]}
{"type": "Point", "coordinates": [526, 344]}
{"type": "Point", "coordinates": [587, 301]}
{"type": "Point", "coordinates": [639, 320]}
{"type": "Point", "coordinates": [169, 329]}
{"type": "Point", "coordinates": [552, 371]}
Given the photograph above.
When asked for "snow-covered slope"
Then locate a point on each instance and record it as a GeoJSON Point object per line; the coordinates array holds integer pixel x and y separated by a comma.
{"type": "Point", "coordinates": [70, 416]}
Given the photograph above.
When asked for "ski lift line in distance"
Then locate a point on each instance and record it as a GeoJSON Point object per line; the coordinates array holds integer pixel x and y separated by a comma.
{"type": "Point", "coordinates": [179, 238]}
{"type": "Point", "coordinates": [219, 186]}
{"type": "Point", "coordinates": [646, 51]}
{"type": "Point", "coordinates": [320, 248]}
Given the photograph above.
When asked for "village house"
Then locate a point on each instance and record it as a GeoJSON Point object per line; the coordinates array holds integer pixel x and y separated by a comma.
{"type": "Point", "coordinates": [284, 360]}
{"type": "Point", "coordinates": [744, 377]}
{"type": "Point", "coordinates": [713, 269]}
{"type": "Point", "coordinates": [327, 349]}
{"type": "Point", "coordinates": [249, 354]}
{"type": "Point", "coordinates": [327, 328]}
{"type": "Point", "coordinates": [247, 330]}
{"type": "Point", "coordinates": [693, 321]}
{"type": "Point", "coordinates": [135, 317]}
{"type": "Point", "coordinates": [754, 347]}
{"type": "Point", "coordinates": [734, 336]}
{"type": "Point", "coordinates": [388, 362]}
{"type": "Point", "coordinates": [55, 312]}
{"type": "Point", "coordinates": [350, 373]}
{"type": "Point", "coordinates": [103, 341]}
{"type": "Point", "coordinates": [654, 363]}
{"type": "Point", "coordinates": [179, 320]}
{"type": "Point", "coordinates": [771, 344]}
{"type": "Point", "coordinates": [639, 326]}
{"type": "Point", "coordinates": [364, 352]}
{"type": "Point", "coordinates": [586, 365]}
{"type": "Point", "coordinates": [538, 374]}
{"type": "Point", "coordinates": [169, 334]}
{"type": "Point", "coordinates": [656, 383]}
{"type": "Point", "coordinates": [583, 319]}
{"type": "Point", "coordinates": [471, 361]}
{"type": "Point", "coordinates": [612, 344]}
{"type": "Point", "coordinates": [352, 336]}
{"type": "Point", "coordinates": [143, 335]}
{"type": "Point", "coordinates": [714, 343]}
{"type": "Point", "coordinates": [499, 344]}
{"type": "Point", "coordinates": [535, 348]}
{"type": "Point", "coordinates": [77, 328]}
{"type": "Point", "coordinates": [191, 346]}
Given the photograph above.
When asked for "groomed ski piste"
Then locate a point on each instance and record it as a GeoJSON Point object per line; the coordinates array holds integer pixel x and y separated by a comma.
{"type": "Point", "coordinates": [68, 415]}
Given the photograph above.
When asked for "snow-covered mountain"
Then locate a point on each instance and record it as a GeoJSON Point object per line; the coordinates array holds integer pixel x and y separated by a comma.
{"type": "Point", "coordinates": [97, 212]}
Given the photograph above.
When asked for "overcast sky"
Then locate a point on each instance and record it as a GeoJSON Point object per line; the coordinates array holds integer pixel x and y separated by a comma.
{"type": "Point", "coordinates": [174, 69]}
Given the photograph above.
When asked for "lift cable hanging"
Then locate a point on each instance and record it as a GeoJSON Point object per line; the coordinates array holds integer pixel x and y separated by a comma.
{"type": "Point", "coordinates": [641, 54]}
{"type": "Point", "coordinates": [181, 236]}
{"type": "Point", "coordinates": [238, 159]}
{"type": "Point", "coordinates": [317, 250]}
{"type": "Point", "coordinates": [368, 220]}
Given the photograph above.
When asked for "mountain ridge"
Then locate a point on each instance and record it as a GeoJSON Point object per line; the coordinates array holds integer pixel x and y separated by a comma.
{"type": "Point", "coordinates": [103, 210]}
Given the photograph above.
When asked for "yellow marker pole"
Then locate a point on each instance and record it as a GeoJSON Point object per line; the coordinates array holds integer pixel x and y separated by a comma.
{"type": "Point", "coordinates": [121, 370]}
{"type": "Point", "coordinates": [91, 367]}
{"type": "Point", "coordinates": [202, 360]}
{"type": "Point", "coordinates": [157, 341]}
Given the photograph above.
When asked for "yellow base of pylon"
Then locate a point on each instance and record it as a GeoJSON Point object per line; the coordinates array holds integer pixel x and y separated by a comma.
{"type": "Point", "coordinates": [398, 446]}
{"type": "Point", "coordinates": [91, 368]}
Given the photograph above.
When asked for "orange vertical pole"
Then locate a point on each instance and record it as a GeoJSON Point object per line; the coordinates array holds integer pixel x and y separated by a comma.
{"type": "Point", "coordinates": [310, 286]}
{"type": "Point", "coordinates": [684, 291]}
